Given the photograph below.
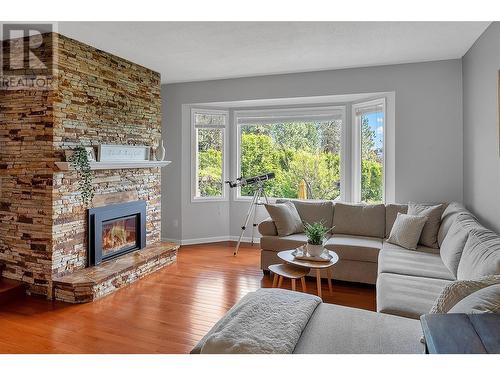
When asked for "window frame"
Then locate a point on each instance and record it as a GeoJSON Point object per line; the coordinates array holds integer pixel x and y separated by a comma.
{"type": "Point", "coordinates": [194, 154]}
{"type": "Point", "coordinates": [356, 149]}
{"type": "Point", "coordinates": [296, 112]}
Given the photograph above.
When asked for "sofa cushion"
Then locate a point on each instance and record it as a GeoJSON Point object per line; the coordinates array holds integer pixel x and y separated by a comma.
{"type": "Point", "coordinates": [449, 215]}
{"type": "Point", "coordinates": [408, 296]}
{"type": "Point", "coordinates": [433, 213]}
{"type": "Point", "coordinates": [335, 329]}
{"type": "Point", "coordinates": [359, 220]}
{"type": "Point", "coordinates": [406, 230]}
{"type": "Point", "coordinates": [358, 248]}
{"type": "Point", "coordinates": [267, 228]}
{"type": "Point", "coordinates": [314, 211]}
{"type": "Point", "coordinates": [486, 300]}
{"type": "Point", "coordinates": [391, 212]}
{"type": "Point", "coordinates": [458, 290]}
{"type": "Point", "coordinates": [481, 255]}
{"type": "Point", "coordinates": [423, 262]}
{"type": "Point", "coordinates": [454, 241]}
{"type": "Point", "coordinates": [285, 217]}
{"type": "Point", "coordinates": [275, 243]}
{"type": "Point", "coordinates": [420, 249]}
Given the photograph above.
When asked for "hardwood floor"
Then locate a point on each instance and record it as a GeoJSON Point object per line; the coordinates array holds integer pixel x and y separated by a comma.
{"type": "Point", "coordinates": [166, 312]}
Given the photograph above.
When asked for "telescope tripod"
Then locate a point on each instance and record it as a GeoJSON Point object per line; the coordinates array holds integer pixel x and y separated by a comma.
{"type": "Point", "coordinates": [259, 193]}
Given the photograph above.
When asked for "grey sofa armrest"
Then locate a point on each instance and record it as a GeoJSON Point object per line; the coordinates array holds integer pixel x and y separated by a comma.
{"type": "Point", "coordinates": [267, 228]}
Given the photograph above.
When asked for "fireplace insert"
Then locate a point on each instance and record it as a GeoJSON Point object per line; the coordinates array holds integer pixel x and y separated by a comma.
{"type": "Point", "coordinates": [115, 230]}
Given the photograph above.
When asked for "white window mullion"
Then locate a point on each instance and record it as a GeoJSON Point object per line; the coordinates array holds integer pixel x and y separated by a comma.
{"type": "Point", "coordinates": [197, 164]}
{"type": "Point", "coordinates": [359, 110]}
{"type": "Point", "coordinates": [356, 157]}
{"type": "Point", "coordinates": [344, 159]}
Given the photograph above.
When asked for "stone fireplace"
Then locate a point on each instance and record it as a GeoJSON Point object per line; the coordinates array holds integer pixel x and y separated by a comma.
{"type": "Point", "coordinates": [97, 98]}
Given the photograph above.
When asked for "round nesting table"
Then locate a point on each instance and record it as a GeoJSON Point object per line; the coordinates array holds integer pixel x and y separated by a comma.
{"type": "Point", "coordinates": [290, 272]}
{"type": "Point", "coordinates": [318, 266]}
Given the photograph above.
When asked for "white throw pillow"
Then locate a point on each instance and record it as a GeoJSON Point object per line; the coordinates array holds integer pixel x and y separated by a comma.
{"type": "Point", "coordinates": [285, 217]}
{"type": "Point", "coordinates": [406, 230]}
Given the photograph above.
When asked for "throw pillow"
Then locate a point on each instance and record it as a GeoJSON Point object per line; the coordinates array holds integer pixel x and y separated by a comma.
{"type": "Point", "coordinates": [359, 219]}
{"type": "Point", "coordinates": [429, 236]}
{"type": "Point", "coordinates": [481, 255]}
{"type": "Point", "coordinates": [454, 243]}
{"type": "Point", "coordinates": [486, 300]}
{"type": "Point", "coordinates": [406, 230]}
{"type": "Point", "coordinates": [391, 212]}
{"type": "Point", "coordinates": [449, 215]}
{"type": "Point", "coordinates": [458, 290]}
{"type": "Point", "coordinates": [313, 211]}
{"type": "Point", "coordinates": [285, 217]}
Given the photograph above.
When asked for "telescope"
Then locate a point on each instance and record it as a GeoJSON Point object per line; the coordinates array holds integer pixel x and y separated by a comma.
{"type": "Point", "coordinates": [240, 181]}
{"type": "Point", "coordinates": [259, 192]}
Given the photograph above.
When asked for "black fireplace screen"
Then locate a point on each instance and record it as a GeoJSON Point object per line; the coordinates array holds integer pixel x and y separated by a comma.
{"type": "Point", "coordinates": [115, 230]}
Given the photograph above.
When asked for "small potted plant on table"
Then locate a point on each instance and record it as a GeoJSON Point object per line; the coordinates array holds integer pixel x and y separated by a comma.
{"type": "Point", "coordinates": [316, 233]}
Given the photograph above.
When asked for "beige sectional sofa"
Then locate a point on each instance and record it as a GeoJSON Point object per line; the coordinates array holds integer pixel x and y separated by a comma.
{"type": "Point", "coordinates": [408, 281]}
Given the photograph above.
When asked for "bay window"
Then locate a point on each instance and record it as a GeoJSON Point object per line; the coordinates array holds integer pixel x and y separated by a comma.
{"type": "Point", "coordinates": [314, 152]}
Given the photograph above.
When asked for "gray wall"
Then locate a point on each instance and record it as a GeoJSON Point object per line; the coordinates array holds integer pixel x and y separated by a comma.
{"type": "Point", "coordinates": [171, 175]}
{"type": "Point", "coordinates": [481, 156]}
{"type": "Point", "coordinates": [428, 133]}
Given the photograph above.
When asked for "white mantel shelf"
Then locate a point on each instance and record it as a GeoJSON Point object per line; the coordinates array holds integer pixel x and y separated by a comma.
{"type": "Point", "coordinates": [99, 165]}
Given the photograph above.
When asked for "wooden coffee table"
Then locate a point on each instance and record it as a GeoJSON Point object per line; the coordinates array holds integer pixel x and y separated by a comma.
{"type": "Point", "coordinates": [318, 266]}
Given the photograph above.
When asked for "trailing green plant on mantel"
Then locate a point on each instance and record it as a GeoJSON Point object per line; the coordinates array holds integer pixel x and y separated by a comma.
{"type": "Point", "coordinates": [80, 161]}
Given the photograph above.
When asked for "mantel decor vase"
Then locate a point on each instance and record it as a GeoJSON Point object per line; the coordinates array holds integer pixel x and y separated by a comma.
{"type": "Point", "coordinates": [160, 151]}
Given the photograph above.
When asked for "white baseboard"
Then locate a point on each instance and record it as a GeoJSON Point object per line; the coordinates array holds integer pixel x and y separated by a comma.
{"type": "Point", "coordinates": [174, 240]}
{"type": "Point", "coordinates": [245, 239]}
{"type": "Point", "coordinates": [196, 241]}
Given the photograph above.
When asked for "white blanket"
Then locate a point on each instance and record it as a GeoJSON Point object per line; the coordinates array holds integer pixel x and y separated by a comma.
{"type": "Point", "coordinates": [265, 321]}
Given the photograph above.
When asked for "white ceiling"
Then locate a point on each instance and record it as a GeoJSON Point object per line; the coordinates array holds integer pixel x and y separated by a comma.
{"type": "Point", "coordinates": [195, 51]}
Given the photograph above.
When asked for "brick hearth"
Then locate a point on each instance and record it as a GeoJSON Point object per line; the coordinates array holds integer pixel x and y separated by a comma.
{"type": "Point", "coordinates": [97, 98]}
